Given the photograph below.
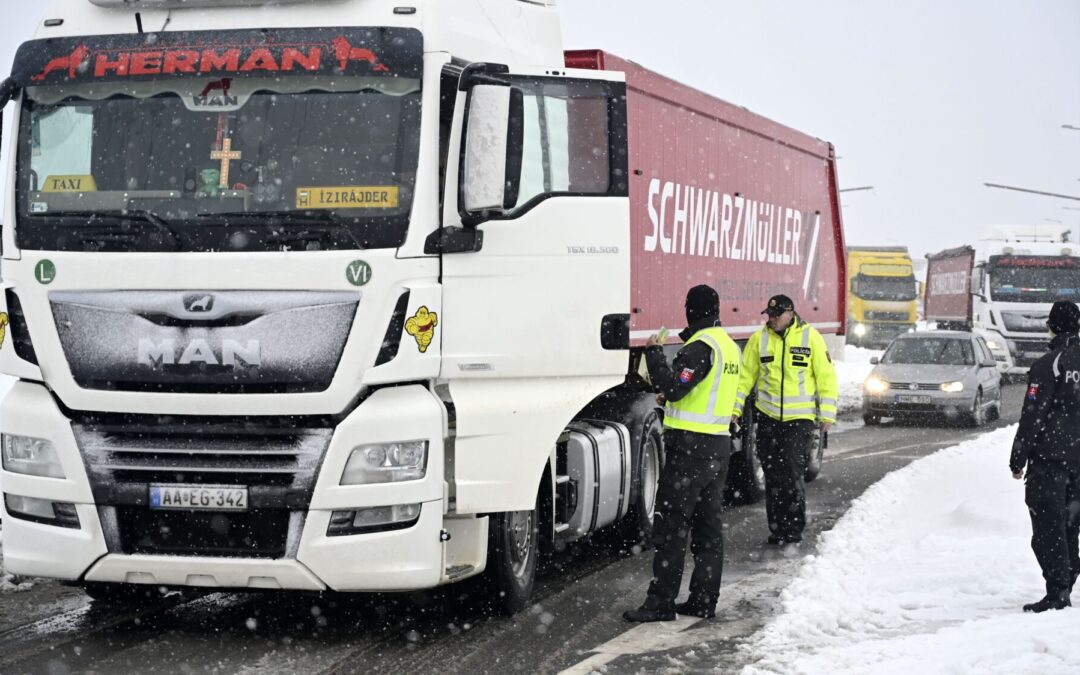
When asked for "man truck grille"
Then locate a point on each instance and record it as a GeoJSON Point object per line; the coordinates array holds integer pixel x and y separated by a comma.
{"type": "Point", "coordinates": [276, 460]}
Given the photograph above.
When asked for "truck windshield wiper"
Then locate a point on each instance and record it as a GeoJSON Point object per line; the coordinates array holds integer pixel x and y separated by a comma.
{"type": "Point", "coordinates": [310, 225]}
{"type": "Point", "coordinates": [138, 215]}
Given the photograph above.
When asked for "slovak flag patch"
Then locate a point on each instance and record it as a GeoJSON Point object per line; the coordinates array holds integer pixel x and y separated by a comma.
{"type": "Point", "coordinates": [686, 375]}
{"type": "Point", "coordinates": [1032, 392]}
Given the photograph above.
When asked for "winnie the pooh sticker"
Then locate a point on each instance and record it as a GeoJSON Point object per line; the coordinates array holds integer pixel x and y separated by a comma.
{"type": "Point", "coordinates": [422, 327]}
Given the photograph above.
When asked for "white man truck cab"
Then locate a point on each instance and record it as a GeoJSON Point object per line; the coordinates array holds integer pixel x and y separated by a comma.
{"type": "Point", "coordinates": [254, 342]}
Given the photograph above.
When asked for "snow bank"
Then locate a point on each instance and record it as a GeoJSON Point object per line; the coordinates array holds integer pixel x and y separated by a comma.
{"type": "Point", "coordinates": [851, 371]}
{"type": "Point", "coordinates": [926, 573]}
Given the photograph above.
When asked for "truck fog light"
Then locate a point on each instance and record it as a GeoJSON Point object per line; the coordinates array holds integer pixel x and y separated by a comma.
{"type": "Point", "coordinates": [374, 519]}
{"type": "Point", "coordinates": [386, 463]}
{"type": "Point", "coordinates": [860, 329]}
{"type": "Point", "coordinates": [953, 387]}
{"type": "Point", "coordinates": [31, 456]}
{"type": "Point", "coordinates": [875, 385]}
{"type": "Point", "coordinates": [61, 514]}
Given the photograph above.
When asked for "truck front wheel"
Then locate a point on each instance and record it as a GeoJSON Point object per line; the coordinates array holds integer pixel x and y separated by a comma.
{"type": "Point", "coordinates": [513, 552]}
{"type": "Point", "coordinates": [637, 524]}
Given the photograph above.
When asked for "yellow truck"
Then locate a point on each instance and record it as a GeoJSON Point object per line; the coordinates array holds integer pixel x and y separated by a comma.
{"type": "Point", "coordinates": [882, 293]}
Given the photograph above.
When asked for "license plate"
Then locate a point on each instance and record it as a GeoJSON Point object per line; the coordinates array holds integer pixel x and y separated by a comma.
{"type": "Point", "coordinates": [911, 398]}
{"type": "Point", "coordinates": [199, 497]}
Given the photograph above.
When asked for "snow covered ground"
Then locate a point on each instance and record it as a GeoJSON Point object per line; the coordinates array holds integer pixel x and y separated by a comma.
{"type": "Point", "coordinates": [926, 573]}
{"type": "Point", "coordinates": [851, 372]}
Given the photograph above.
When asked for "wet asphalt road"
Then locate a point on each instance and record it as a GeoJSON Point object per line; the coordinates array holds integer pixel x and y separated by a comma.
{"type": "Point", "coordinates": [573, 624]}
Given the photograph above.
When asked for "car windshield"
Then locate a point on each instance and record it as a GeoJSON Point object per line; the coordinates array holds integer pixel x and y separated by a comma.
{"type": "Point", "coordinates": [869, 287]}
{"type": "Point", "coordinates": [1043, 280]}
{"type": "Point", "coordinates": [930, 350]}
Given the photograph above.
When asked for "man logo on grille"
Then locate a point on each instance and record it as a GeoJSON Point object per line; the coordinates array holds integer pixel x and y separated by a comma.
{"type": "Point", "coordinates": [913, 387]}
{"type": "Point", "coordinates": [199, 303]}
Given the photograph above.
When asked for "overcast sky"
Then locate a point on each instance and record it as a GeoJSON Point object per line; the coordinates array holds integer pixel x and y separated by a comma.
{"type": "Point", "coordinates": [924, 99]}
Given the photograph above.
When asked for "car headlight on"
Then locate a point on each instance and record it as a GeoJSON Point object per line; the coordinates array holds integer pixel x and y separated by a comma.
{"type": "Point", "coordinates": [952, 387]}
{"type": "Point", "coordinates": [875, 385]}
{"type": "Point", "coordinates": [386, 463]}
{"type": "Point", "coordinates": [996, 345]}
{"type": "Point", "coordinates": [31, 456]}
{"type": "Point", "coordinates": [860, 329]}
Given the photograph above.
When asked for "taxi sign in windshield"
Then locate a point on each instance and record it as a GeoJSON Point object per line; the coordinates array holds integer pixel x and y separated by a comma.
{"type": "Point", "coordinates": [347, 197]}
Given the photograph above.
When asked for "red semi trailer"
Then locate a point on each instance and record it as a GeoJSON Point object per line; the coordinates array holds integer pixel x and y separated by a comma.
{"type": "Point", "coordinates": [723, 196]}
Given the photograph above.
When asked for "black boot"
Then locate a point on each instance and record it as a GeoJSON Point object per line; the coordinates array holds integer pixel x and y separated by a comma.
{"type": "Point", "coordinates": [695, 607]}
{"type": "Point", "coordinates": [1051, 601]}
{"type": "Point", "coordinates": [650, 611]}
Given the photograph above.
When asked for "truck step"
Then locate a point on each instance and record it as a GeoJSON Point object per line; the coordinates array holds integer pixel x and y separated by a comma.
{"type": "Point", "coordinates": [458, 571]}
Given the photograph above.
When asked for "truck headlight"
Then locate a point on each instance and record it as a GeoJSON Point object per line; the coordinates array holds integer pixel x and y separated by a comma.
{"type": "Point", "coordinates": [875, 385]}
{"type": "Point", "coordinates": [995, 345]}
{"type": "Point", "coordinates": [373, 519]}
{"type": "Point", "coordinates": [61, 514]}
{"type": "Point", "coordinates": [860, 329]}
{"type": "Point", "coordinates": [953, 387]}
{"type": "Point", "coordinates": [31, 456]}
{"type": "Point", "coordinates": [386, 463]}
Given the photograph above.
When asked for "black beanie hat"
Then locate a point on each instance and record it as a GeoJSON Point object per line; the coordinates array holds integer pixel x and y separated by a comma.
{"type": "Point", "coordinates": [1064, 318]}
{"type": "Point", "coordinates": [702, 302]}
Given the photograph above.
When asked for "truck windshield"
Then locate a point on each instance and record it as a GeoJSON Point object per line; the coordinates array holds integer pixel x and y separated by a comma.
{"type": "Point", "coordinates": [306, 162]}
{"type": "Point", "coordinates": [1042, 282]}
{"type": "Point", "coordinates": [930, 350]}
{"type": "Point", "coordinates": [868, 287]}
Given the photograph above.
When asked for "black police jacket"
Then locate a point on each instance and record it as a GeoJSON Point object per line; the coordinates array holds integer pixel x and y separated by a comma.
{"type": "Point", "coordinates": [1050, 422]}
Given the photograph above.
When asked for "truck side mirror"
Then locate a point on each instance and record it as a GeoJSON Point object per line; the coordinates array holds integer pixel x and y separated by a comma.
{"type": "Point", "coordinates": [874, 360]}
{"type": "Point", "coordinates": [492, 156]}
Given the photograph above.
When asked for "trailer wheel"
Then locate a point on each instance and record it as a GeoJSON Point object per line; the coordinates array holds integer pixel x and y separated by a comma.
{"type": "Point", "coordinates": [513, 554]}
{"type": "Point", "coordinates": [638, 522]}
{"type": "Point", "coordinates": [815, 456]}
{"type": "Point", "coordinates": [746, 478]}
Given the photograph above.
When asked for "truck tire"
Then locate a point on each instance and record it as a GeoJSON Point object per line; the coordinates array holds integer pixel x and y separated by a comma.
{"type": "Point", "coordinates": [513, 554]}
{"type": "Point", "coordinates": [636, 526]}
{"type": "Point", "coordinates": [815, 456]}
{"type": "Point", "coordinates": [871, 420]}
{"type": "Point", "coordinates": [746, 479]}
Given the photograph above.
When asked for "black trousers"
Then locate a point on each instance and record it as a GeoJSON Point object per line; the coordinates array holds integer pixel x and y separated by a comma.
{"type": "Point", "coordinates": [689, 503]}
{"type": "Point", "coordinates": [1052, 493]}
{"type": "Point", "coordinates": [782, 448]}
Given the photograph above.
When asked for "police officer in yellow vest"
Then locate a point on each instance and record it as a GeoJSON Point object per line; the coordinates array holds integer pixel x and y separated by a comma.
{"type": "Point", "coordinates": [699, 389]}
{"type": "Point", "coordinates": [788, 362]}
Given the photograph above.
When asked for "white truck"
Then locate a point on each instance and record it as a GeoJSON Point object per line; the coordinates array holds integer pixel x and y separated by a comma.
{"type": "Point", "coordinates": [352, 294]}
{"type": "Point", "coordinates": [1003, 287]}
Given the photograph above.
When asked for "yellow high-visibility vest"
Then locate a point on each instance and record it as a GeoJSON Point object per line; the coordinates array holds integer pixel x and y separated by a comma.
{"type": "Point", "coordinates": [707, 408]}
{"type": "Point", "coordinates": [793, 373]}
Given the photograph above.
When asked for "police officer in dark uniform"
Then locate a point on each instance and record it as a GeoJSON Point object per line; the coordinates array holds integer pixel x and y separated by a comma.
{"type": "Point", "coordinates": [1048, 444]}
{"type": "Point", "coordinates": [699, 390]}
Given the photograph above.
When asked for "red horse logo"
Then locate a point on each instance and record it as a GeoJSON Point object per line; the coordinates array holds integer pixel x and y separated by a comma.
{"type": "Point", "coordinates": [346, 53]}
{"type": "Point", "coordinates": [221, 85]}
{"type": "Point", "coordinates": [71, 63]}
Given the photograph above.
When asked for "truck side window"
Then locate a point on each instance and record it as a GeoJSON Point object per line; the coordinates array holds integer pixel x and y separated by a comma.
{"type": "Point", "coordinates": [568, 142]}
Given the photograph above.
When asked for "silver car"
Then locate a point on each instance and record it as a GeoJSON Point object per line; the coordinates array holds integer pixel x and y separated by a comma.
{"type": "Point", "coordinates": [934, 372]}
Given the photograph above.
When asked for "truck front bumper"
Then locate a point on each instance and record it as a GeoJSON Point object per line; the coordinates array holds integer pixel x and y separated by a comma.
{"type": "Point", "coordinates": [99, 549]}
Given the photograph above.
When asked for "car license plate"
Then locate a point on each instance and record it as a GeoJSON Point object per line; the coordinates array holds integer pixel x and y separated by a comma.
{"type": "Point", "coordinates": [911, 398]}
{"type": "Point", "coordinates": [199, 497]}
